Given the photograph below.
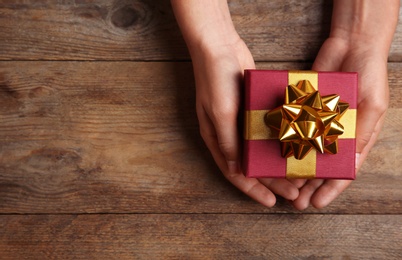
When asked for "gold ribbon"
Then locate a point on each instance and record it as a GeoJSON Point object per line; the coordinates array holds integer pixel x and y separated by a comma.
{"type": "Point", "coordinates": [302, 169]}
{"type": "Point", "coordinates": [256, 128]}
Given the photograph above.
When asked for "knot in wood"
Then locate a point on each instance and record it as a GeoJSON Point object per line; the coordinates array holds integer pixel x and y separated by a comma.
{"type": "Point", "coordinates": [124, 17]}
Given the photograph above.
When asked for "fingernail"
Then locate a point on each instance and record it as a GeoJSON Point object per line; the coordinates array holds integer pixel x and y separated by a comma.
{"type": "Point", "coordinates": [357, 160]}
{"type": "Point", "coordinates": [233, 166]}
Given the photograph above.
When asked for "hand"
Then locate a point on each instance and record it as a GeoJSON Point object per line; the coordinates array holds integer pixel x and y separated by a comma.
{"type": "Point", "coordinates": [218, 71]}
{"type": "Point", "coordinates": [219, 58]}
{"type": "Point", "coordinates": [336, 55]}
{"type": "Point", "coordinates": [361, 35]}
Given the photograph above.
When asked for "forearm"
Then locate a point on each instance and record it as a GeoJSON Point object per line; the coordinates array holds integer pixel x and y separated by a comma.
{"type": "Point", "coordinates": [204, 23]}
{"type": "Point", "coordinates": [362, 22]}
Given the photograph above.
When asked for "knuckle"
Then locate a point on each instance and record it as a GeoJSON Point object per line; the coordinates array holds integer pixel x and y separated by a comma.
{"type": "Point", "coordinates": [225, 147]}
{"type": "Point", "coordinates": [228, 150]}
{"type": "Point", "coordinates": [363, 139]}
{"type": "Point", "coordinates": [380, 106]}
{"type": "Point", "coordinates": [205, 133]}
{"type": "Point", "coordinates": [223, 112]}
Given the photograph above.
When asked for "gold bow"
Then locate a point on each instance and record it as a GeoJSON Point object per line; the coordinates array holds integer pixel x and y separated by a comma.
{"type": "Point", "coordinates": [307, 120]}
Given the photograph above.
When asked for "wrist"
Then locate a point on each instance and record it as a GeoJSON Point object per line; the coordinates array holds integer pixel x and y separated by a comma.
{"type": "Point", "coordinates": [356, 47]}
{"type": "Point", "coordinates": [362, 24]}
{"type": "Point", "coordinates": [205, 24]}
{"type": "Point", "coordinates": [217, 38]}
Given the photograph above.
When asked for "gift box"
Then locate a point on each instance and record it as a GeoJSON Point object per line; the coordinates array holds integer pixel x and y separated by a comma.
{"type": "Point", "coordinates": [276, 153]}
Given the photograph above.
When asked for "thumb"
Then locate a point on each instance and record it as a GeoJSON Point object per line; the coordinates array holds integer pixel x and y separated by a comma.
{"type": "Point", "coordinates": [228, 138]}
{"type": "Point", "coordinates": [370, 118]}
{"type": "Point", "coordinates": [371, 111]}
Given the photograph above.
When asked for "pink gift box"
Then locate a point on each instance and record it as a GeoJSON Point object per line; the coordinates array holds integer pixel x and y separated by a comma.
{"type": "Point", "coordinates": [265, 90]}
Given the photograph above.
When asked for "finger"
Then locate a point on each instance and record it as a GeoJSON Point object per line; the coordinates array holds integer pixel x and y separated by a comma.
{"type": "Point", "coordinates": [209, 136]}
{"type": "Point", "coordinates": [251, 187]}
{"type": "Point", "coordinates": [329, 191]}
{"type": "Point", "coordinates": [306, 192]}
{"type": "Point", "coordinates": [366, 140]}
{"type": "Point", "coordinates": [228, 139]}
{"type": "Point", "coordinates": [282, 187]}
{"type": "Point", "coordinates": [327, 59]}
{"type": "Point", "coordinates": [371, 110]}
{"type": "Point", "coordinates": [225, 123]}
{"type": "Point", "coordinates": [221, 115]}
{"type": "Point", "coordinates": [226, 142]}
{"type": "Point", "coordinates": [368, 117]}
{"type": "Point", "coordinates": [298, 182]}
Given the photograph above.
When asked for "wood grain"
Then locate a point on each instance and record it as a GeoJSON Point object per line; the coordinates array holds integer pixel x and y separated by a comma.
{"type": "Point", "coordinates": [101, 157]}
{"type": "Point", "coordinates": [122, 137]}
{"type": "Point", "coordinates": [200, 236]}
{"type": "Point", "coordinates": [274, 30]}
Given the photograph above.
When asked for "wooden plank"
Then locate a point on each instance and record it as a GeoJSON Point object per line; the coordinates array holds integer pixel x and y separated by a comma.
{"type": "Point", "coordinates": [146, 30]}
{"type": "Point", "coordinates": [200, 236]}
{"type": "Point", "coordinates": [121, 137]}
{"type": "Point", "coordinates": [89, 30]}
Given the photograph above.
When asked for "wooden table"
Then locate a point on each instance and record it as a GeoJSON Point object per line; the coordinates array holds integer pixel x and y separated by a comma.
{"type": "Point", "coordinates": [100, 155]}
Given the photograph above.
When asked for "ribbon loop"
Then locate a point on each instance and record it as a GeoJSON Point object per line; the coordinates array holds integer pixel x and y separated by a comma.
{"type": "Point", "coordinates": [307, 120]}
